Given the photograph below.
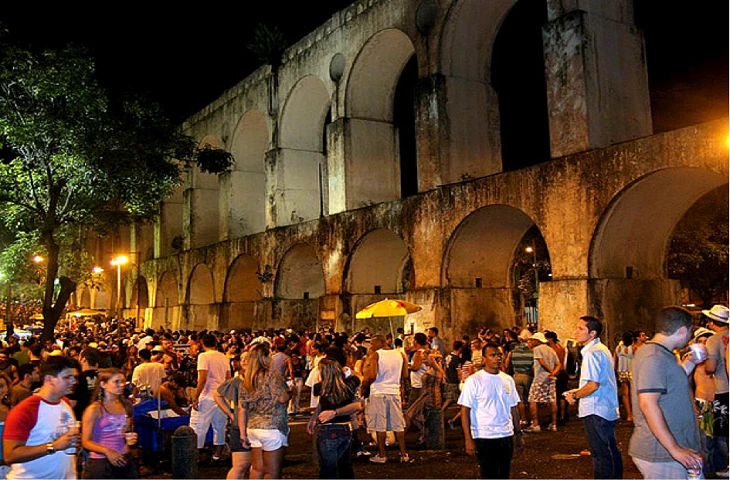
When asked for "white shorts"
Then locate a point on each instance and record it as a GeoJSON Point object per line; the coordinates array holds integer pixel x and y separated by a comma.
{"type": "Point", "coordinates": [268, 439]}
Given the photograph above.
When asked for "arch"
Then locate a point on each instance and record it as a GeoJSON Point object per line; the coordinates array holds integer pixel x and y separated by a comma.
{"type": "Point", "coordinates": [472, 109]}
{"type": "Point", "coordinates": [299, 285]}
{"type": "Point", "coordinates": [300, 168]}
{"type": "Point", "coordinates": [378, 267]}
{"type": "Point", "coordinates": [369, 106]}
{"type": "Point", "coordinates": [241, 292]}
{"type": "Point", "coordinates": [374, 76]}
{"type": "Point", "coordinates": [140, 298]}
{"type": "Point", "coordinates": [167, 309]}
{"type": "Point", "coordinates": [627, 258]}
{"type": "Point", "coordinates": [245, 196]}
{"type": "Point", "coordinates": [478, 265]}
{"type": "Point", "coordinates": [200, 297]}
{"type": "Point", "coordinates": [517, 73]}
{"type": "Point", "coordinates": [303, 115]}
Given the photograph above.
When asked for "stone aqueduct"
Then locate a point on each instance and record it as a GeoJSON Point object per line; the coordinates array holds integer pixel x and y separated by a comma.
{"type": "Point", "coordinates": [313, 222]}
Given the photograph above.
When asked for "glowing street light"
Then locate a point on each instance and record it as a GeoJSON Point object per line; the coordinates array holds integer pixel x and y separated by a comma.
{"type": "Point", "coordinates": [118, 261]}
{"type": "Point", "coordinates": [38, 259]}
{"type": "Point", "coordinates": [97, 270]}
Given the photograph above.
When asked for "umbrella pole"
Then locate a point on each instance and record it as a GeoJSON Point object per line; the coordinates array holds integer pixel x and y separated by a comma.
{"type": "Point", "coordinates": [392, 332]}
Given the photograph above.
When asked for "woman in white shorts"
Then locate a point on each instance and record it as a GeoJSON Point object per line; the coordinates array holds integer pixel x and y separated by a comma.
{"type": "Point", "coordinates": [263, 420]}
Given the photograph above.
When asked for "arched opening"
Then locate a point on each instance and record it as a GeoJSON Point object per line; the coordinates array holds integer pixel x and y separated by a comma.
{"type": "Point", "coordinates": [167, 308]}
{"type": "Point", "coordinates": [299, 285]}
{"type": "Point", "coordinates": [200, 299]}
{"type": "Point", "coordinates": [404, 120]}
{"type": "Point", "coordinates": [628, 258]}
{"type": "Point", "coordinates": [518, 77]}
{"type": "Point", "coordinates": [376, 270]}
{"type": "Point", "coordinates": [301, 162]}
{"type": "Point", "coordinates": [242, 291]}
{"type": "Point", "coordinates": [370, 103]}
{"type": "Point", "coordinates": [687, 66]}
{"type": "Point", "coordinates": [484, 255]}
{"type": "Point", "coordinates": [245, 192]}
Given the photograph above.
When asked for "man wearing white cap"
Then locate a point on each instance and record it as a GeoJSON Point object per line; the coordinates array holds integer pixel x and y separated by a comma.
{"type": "Point", "coordinates": [715, 365]}
{"type": "Point", "coordinates": [546, 366]}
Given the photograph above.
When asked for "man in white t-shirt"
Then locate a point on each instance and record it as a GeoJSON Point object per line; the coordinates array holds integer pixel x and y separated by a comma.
{"type": "Point", "coordinates": [213, 370]}
{"type": "Point", "coordinates": [489, 416]}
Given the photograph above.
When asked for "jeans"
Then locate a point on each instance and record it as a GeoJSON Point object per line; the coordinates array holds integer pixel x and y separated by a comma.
{"type": "Point", "coordinates": [334, 442]}
{"type": "Point", "coordinates": [494, 456]}
{"type": "Point", "coordinates": [606, 456]}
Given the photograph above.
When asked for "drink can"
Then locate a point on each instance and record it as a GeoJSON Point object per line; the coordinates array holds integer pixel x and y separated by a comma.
{"type": "Point", "coordinates": [699, 352]}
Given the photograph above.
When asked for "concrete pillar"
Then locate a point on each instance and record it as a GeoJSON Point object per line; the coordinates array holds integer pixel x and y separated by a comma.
{"type": "Point", "coordinates": [596, 76]}
{"type": "Point", "coordinates": [241, 204]}
{"type": "Point", "coordinates": [361, 149]}
{"type": "Point", "coordinates": [293, 182]}
{"type": "Point", "coordinates": [457, 125]}
{"type": "Point", "coordinates": [168, 225]}
{"type": "Point", "coordinates": [200, 218]}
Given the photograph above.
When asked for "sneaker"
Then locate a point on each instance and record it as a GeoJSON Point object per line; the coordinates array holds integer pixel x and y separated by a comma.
{"type": "Point", "coordinates": [722, 473]}
{"type": "Point", "coordinates": [378, 459]}
{"type": "Point", "coordinates": [451, 425]}
{"type": "Point", "coordinates": [405, 458]}
{"type": "Point", "coordinates": [553, 427]}
{"type": "Point", "coordinates": [532, 429]}
{"type": "Point", "coordinates": [362, 453]}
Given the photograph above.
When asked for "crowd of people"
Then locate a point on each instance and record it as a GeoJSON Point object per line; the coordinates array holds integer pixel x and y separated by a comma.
{"type": "Point", "coordinates": [72, 398]}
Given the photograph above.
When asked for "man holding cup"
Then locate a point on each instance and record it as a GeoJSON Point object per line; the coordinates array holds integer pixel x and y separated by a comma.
{"type": "Point", "coordinates": [41, 427]}
{"type": "Point", "coordinates": [666, 439]}
{"type": "Point", "coordinates": [598, 397]}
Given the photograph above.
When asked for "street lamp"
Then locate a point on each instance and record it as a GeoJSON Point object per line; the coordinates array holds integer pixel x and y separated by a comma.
{"type": "Point", "coordinates": [533, 251]}
{"type": "Point", "coordinates": [118, 261]}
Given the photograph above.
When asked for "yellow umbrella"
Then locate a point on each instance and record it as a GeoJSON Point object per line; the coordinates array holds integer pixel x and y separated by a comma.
{"type": "Point", "coordinates": [388, 308]}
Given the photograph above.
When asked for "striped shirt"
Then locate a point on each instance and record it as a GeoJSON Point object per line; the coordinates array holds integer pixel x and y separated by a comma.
{"type": "Point", "coordinates": [522, 358]}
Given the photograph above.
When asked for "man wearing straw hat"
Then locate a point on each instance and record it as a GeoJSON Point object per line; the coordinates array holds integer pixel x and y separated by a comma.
{"type": "Point", "coordinates": [715, 365]}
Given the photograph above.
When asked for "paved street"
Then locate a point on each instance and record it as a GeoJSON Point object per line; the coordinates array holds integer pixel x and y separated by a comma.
{"type": "Point", "coordinates": [547, 455]}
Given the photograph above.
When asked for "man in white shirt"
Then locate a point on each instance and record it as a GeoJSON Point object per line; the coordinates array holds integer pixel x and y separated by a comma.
{"type": "Point", "coordinates": [213, 370]}
{"type": "Point", "coordinates": [489, 416]}
{"type": "Point", "coordinates": [148, 373]}
{"type": "Point", "coordinates": [598, 397]}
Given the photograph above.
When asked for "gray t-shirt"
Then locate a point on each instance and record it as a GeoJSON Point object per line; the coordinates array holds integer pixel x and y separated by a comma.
{"type": "Point", "coordinates": [655, 369]}
{"type": "Point", "coordinates": [716, 347]}
{"type": "Point", "coordinates": [548, 356]}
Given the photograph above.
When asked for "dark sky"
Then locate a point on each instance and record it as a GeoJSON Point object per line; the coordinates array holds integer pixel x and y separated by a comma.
{"type": "Point", "coordinates": [185, 58]}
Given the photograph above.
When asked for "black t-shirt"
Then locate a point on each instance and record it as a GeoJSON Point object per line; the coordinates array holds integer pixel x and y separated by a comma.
{"type": "Point", "coordinates": [352, 382]}
{"type": "Point", "coordinates": [452, 368]}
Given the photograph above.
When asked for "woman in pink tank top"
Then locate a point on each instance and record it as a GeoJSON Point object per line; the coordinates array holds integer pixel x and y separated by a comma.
{"type": "Point", "coordinates": [106, 430]}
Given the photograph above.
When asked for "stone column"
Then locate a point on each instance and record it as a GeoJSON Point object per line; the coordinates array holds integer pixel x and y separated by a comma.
{"type": "Point", "coordinates": [595, 69]}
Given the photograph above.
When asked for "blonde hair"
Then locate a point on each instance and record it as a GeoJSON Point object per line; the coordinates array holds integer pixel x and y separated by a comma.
{"type": "Point", "coordinates": [334, 388]}
{"type": "Point", "coordinates": [256, 365]}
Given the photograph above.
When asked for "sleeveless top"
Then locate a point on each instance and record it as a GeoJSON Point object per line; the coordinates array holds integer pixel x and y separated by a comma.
{"type": "Point", "coordinates": [109, 432]}
{"type": "Point", "coordinates": [624, 357]}
{"type": "Point", "coordinates": [390, 365]}
{"type": "Point", "coordinates": [417, 375]}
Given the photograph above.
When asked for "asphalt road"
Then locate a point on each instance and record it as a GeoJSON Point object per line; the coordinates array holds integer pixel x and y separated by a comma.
{"type": "Point", "coordinates": [546, 455]}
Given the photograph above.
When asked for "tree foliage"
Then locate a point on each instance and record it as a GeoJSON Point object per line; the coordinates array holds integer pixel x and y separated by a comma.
{"type": "Point", "coordinates": [76, 158]}
{"type": "Point", "coordinates": [698, 253]}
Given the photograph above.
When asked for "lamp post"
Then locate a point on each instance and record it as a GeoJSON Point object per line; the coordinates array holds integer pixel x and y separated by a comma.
{"type": "Point", "coordinates": [8, 320]}
{"type": "Point", "coordinates": [533, 251]}
{"type": "Point", "coordinates": [118, 261]}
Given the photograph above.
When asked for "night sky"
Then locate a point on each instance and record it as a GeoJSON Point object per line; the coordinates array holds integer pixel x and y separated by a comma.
{"type": "Point", "coordinates": [186, 58]}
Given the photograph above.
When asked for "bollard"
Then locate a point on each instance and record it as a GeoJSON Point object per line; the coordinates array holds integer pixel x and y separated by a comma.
{"type": "Point", "coordinates": [184, 453]}
{"type": "Point", "coordinates": [434, 428]}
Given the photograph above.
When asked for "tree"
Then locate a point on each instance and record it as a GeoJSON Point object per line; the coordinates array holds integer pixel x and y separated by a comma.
{"type": "Point", "coordinates": [698, 252]}
{"type": "Point", "coordinates": [76, 156]}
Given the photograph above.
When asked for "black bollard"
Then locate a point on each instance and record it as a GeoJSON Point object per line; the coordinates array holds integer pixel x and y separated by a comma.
{"type": "Point", "coordinates": [434, 428]}
{"type": "Point", "coordinates": [184, 453]}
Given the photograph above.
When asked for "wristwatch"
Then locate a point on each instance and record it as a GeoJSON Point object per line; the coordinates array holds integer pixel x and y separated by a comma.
{"type": "Point", "coordinates": [50, 449]}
